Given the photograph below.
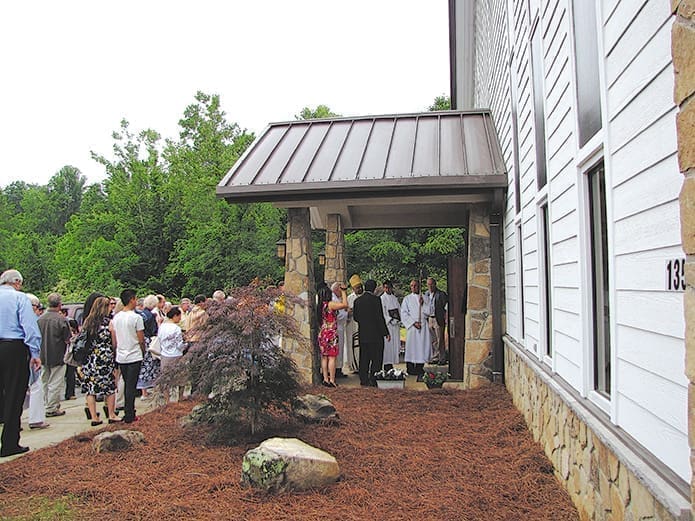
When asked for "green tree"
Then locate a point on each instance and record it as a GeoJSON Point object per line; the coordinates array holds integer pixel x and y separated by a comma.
{"type": "Point", "coordinates": [442, 102]}
{"type": "Point", "coordinates": [321, 111]}
{"type": "Point", "coordinates": [222, 245]}
{"type": "Point", "coordinates": [65, 191]}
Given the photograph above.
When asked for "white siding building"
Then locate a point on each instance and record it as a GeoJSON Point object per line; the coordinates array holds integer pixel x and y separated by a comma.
{"type": "Point", "coordinates": [581, 92]}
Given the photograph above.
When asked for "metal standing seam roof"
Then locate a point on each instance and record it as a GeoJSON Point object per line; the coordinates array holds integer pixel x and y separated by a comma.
{"type": "Point", "coordinates": [430, 153]}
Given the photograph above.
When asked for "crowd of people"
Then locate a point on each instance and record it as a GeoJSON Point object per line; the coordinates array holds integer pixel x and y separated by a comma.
{"type": "Point", "coordinates": [360, 332]}
{"type": "Point", "coordinates": [132, 340]}
{"type": "Point", "coordinates": [129, 340]}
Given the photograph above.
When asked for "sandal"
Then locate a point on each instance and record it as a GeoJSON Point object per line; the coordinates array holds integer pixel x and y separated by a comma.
{"type": "Point", "coordinates": [326, 383]}
{"type": "Point", "coordinates": [97, 422]}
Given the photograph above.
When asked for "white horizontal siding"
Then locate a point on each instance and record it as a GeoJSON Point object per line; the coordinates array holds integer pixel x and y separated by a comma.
{"type": "Point", "coordinates": [654, 228]}
{"type": "Point", "coordinates": [669, 444]}
{"type": "Point", "coordinates": [658, 312]}
{"type": "Point", "coordinates": [652, 352]}
{"type": "Point", "coordinates": [646, 270]}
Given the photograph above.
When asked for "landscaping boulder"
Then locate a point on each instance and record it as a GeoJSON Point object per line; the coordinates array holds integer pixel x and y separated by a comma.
{"type": "Point", "coordinates": [117, 440]}
{"type": "Point", "coordinates": [280, 464]}
{"type": "Point", "coordinates": [314, 409]}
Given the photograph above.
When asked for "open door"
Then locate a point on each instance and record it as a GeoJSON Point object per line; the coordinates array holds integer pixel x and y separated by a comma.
{"type": "Point", "coordinates": [457, 286]}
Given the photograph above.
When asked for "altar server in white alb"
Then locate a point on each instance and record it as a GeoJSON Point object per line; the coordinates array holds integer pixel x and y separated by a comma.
{"type": "Point", "coordinates": [391, 309]}
{"type": "Point", "coordinates": [418, 343]}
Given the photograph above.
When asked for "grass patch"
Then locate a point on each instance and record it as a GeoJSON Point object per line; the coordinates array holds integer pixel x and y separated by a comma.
{"type": "Point", "coordinates": [41, 508]}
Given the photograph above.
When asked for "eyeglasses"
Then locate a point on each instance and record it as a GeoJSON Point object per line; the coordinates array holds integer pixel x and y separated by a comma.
{"type": "Point", "coordinates": [112, 303]}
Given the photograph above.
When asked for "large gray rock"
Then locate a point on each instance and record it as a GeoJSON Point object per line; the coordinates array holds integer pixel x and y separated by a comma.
{"type": "Point", "coordinates": [288, 464]}
{"type": "Point", "coordinates": [313, 409]}
{"type": "Point", "coordinates": [117, 440]}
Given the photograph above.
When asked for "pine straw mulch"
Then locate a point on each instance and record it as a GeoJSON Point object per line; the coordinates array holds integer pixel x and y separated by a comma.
{"type": "Point", "coordinates": [464, 455]}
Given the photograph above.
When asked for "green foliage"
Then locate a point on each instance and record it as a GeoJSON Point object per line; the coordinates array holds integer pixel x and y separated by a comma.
{"type": "Point", "coordinates": [442, 102]}
{"type": "Point", "coordinates": [321, 111]}
{"type": "Point", "coordinates": [402, 254]}
{"type": "Point", "coordinates": [237, 367]}
{"type": "Point", "coordinates": [156, 224]}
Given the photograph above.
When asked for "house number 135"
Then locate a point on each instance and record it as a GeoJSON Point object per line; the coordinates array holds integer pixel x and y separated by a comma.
{"type": "Point", "coordinates": [675, 275]}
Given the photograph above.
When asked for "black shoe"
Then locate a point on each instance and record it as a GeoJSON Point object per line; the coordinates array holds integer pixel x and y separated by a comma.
{"type": "Point", "coordinates": [326, 384]}
{"type": "Point", "coordinates": [18, 450]}
{"type": "Point", "coordinates": [419, 378]}
{"type": "Point", "coordinates": [340, 374]}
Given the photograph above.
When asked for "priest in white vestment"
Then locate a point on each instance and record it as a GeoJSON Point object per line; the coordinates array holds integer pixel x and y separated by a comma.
{"type": "Point", "coordinates": [391, 309]}
{"type": "Point", "coordinates": [418, 343]}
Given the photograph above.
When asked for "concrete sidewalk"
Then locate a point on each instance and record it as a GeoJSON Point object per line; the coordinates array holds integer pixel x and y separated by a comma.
{"type": "Point", "coordinates": [63, 427]}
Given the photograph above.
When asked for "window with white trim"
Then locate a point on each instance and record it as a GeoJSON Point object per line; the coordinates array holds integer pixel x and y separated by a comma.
{"type": "Point", "coordinates": [538, 104]}
{"type": "Point", "coordinates": [546, 282]}
{"type": "Point", "coordinates": [598, 230]}
{"type": "Point", "coordinates": [586, 69]}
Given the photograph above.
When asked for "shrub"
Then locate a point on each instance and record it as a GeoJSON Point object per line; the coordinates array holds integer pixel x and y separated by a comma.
{"type": "Point", "coordinates": [237, 368]}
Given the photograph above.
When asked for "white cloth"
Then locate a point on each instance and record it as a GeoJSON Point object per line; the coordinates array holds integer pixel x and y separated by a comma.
{"type": "Point", "coordinates": [170, 339]}
{"type": "Point", "coordinates": [418, 343]}
{"type": "Point", "coordinates": [350, 330]}
{"type": "Point", "coordinates": [342, 317]}
{"type": "Point", "coordinates": [37, 408]}
{"type": "Point", "coordinates": [126, 324]}
{"type": "Point", "coordinates": [392, 347]}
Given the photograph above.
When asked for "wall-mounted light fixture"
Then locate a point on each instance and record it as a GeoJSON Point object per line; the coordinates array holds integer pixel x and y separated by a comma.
{"type": "Point", "coordinates": [281, 246]}
{"type": "Point", "coordinates": [322, 258]}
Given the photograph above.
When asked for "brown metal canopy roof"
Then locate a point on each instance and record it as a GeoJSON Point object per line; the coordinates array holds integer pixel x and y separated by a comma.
{"type": "Point", "coordinates": [377, 171]}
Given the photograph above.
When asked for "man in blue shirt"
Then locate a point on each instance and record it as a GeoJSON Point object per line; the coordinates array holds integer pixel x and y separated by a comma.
{"type": "Point", "coordinates": [20, 346]}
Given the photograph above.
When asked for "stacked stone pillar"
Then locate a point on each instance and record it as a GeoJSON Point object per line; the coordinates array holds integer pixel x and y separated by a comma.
{"type": "Point", "coordinates": [683, 48]}
{"type": "Point", "coordinates": [299, 281]}
{"type": "Point", "coordinates": [477, 358]}
{"type": "Point", "coordinates": [335, 270]}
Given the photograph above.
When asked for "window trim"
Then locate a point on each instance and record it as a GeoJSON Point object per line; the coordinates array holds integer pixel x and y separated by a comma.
{"type": "Point", "coordinates": [545, 281]}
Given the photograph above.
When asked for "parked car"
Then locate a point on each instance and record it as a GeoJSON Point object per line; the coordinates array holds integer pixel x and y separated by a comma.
{"type": "Point", "coordinates": [75, 311]}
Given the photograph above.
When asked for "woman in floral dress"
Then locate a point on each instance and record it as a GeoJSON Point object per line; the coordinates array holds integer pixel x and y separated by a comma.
{"type": "Point", "coordinates": [328, 331]}
{"type": "Point", "coordinates": [99, 368]}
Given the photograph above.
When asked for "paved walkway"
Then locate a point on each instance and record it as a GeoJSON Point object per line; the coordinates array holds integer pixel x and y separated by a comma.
{"type": "Point", "coordinates": [63, 427]}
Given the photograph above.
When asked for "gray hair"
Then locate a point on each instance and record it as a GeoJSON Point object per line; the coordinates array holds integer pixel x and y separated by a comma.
{"type": "Point", "coordinates": [54, 300]}
{"type": "Point", "coordinates": [10, 277]}
{"type": "Point", "coordinates": [219, 295]}
{"type": "Point", "coordinates": [33, 299]}
{"type": "Point", "coordinates": [150, 302]}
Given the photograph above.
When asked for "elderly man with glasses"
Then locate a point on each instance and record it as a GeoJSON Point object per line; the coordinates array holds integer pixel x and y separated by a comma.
{"type": "Point", "coordinates": [20, 348]}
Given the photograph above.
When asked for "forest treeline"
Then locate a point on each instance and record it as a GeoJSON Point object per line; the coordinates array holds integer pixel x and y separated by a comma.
{"type": "Point", "coordinates": [155, 224]}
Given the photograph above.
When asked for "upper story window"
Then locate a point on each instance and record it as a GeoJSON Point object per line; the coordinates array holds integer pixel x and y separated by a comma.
{"type": "Point", "coordinates": [538, 104]}
{"type": "Point", "coordinates": [586, 69]}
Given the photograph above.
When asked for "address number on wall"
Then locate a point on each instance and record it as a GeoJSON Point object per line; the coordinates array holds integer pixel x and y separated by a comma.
{"type": "Point", "coordinates": [675, 275]}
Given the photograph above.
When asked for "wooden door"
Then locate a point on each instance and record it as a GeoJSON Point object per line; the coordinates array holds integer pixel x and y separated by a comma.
{"type": "Point", "coordinates": [456, 327]}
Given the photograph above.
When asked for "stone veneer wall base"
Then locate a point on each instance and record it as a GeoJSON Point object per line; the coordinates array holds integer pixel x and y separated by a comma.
{"type": "Point", "coordinates": [605, 477]}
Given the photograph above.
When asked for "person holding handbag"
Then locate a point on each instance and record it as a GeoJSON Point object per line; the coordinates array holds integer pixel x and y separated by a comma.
{"type": "Point", "coordinates": [99, 367]}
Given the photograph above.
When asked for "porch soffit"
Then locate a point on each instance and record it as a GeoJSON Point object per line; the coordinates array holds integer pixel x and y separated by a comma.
{"type": "Point", "coordinates": [376, 171]}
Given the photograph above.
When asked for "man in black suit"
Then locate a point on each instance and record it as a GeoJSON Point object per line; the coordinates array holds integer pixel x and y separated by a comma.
{"type": "Point", "coordinates": [368, 314]}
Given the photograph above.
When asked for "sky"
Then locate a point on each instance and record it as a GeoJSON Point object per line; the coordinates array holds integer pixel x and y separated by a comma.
{"type": "Point", "coordinates": [72, 69]}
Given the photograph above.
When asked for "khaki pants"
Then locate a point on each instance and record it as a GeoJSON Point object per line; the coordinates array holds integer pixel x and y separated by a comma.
{"type": "Point", "coordinates": [53, 379]}
{"type": "Point", "coordinates": [438, 343]}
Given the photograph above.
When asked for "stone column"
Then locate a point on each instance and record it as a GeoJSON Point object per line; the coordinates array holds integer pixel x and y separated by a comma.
{"type": "Point", "coordinates": [683, 47]}
{"type": "Point", "coordinates": [477, 357]}
{"type": "Point", "coordinates": [299, 281]}
{"type": "Point", "coordinates": [335, 270]}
